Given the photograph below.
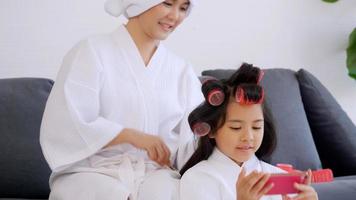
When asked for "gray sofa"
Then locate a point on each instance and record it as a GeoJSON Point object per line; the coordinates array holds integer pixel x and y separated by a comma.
{"type": "Point", "coordinates": [313, 132]}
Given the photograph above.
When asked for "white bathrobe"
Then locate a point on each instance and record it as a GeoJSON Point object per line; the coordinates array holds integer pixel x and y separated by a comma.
{"type": "Point", "coordinates": [103, 87]}
{"type": "Point", "coordinates": [215, 178]}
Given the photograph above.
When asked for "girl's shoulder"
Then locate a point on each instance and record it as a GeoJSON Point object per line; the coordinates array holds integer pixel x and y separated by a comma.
{"type": "Point", "coordinates": [199, 183]}
{"type": "Point", "coordinates": [203, 168]}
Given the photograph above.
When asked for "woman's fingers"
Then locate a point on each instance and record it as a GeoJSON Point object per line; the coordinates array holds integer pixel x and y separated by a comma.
{"type": "Point", "coordinates": [161, 155]}
{"type": "Point", "coordinates": [165, 154]}
{"type": "Point", "coordinates": [152, 154]}
{"type": "Point", "coordinates": [168, 155]}
{"type": "Point", "coordinates": [157, 150]}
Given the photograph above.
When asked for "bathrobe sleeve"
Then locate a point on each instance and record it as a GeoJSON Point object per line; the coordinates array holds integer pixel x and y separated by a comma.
{"type": "Point", "coordinates": [193, 97]}
{"type": "Point", "coordinates": [72, 126]}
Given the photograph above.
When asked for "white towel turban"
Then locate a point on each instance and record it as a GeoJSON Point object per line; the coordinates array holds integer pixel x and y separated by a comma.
{"type": "Point", "coordinates": [132, 8]}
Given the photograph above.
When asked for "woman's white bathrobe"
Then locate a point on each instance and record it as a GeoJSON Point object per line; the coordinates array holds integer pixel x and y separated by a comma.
{"type": "Point", "coordinates": [215, 178]}
{"type": "Point", "coordinates": [103, 87]}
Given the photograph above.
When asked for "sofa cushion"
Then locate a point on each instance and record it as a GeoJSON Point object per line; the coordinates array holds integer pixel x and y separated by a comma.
{"type": "Point", "coordinates": [23, 170]}
{"type": "Point", "coordinates": [295, 143]}
{"type": "Point", "coordinates": [344, 189]}
{"type": "Point", "coordinates": [334, 133]}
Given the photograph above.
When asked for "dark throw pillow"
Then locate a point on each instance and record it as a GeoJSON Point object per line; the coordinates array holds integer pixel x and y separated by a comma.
{"type": "Point", "coordinates": [24, 172]}
{"type": "Point", "coordinates": [333, 131]}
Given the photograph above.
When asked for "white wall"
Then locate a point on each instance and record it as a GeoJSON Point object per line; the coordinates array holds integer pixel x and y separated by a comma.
{"type": "Point", "coordinates": [310, 34]}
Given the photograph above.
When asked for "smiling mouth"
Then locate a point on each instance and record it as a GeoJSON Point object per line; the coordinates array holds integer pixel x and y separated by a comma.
{"type": "Point", "coordinates": [165, 26]}
{"type": "Point", "coordinates": [245, 148]}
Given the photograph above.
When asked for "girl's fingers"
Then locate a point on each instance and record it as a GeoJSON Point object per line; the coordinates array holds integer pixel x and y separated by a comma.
{"type": "Point", "coordinates": [252, 181]}
{"type": "Point", "coordinates": [285, 197]}
{"type": "Point", "coordinates": [309, 177]}
{"type": "Point", "coordinates": [265, 189]}
{"type": "Point", "coordinates": [306, 192]}
{"type": "Point", "coordinates": [261, 184]}
{"type": "Point", "coordinates": [241, 176]}
{"type": "Point", "coordinates": [302, 196]}
{"type": "Point", "coordinates": [303, 187]}
{"type": "Point", "coordinates": [241, 181]}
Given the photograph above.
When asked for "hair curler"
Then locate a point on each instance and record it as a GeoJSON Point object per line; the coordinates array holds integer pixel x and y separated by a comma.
{"type": "Point", "coordinates": [213, 91]}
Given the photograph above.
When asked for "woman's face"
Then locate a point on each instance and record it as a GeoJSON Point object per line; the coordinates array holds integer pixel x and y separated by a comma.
{"type": "Point", "coordinates": [241, 135]}
{"type": "Point", "coordinates": [161, 20]}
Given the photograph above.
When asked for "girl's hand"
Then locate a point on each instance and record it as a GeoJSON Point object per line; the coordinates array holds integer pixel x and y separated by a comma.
{"type": "Point", "coordinates": [252, 186]}
{"type": "Point", "coordinates": [306, 191]}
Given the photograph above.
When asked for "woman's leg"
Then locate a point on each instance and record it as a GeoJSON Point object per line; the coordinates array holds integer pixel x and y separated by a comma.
{"type": "Point", "coordinates": [87, 186]}
{"type": "Point", "coordinates": [162, 184]}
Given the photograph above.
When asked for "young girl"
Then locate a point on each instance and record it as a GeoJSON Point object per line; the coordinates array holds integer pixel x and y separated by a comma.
{"type": "Point", "coordinates": [116, 118]}
{"type": "Point", "coordinates": [236, 130]}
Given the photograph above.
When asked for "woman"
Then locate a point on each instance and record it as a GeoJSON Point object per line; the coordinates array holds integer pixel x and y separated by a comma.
{"type": "Point", "coordinates": [116, 119]}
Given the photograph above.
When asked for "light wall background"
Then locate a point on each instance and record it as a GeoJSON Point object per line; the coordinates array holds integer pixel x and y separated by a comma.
{"type": "Point", "coordinates": [294, 34]}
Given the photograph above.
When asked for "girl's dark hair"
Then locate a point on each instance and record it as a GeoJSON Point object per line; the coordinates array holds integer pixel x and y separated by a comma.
{"type": "Point", "coordinates": [247, 78]}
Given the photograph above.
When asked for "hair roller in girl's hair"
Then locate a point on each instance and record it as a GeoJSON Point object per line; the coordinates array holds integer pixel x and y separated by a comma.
{"type": "Point", "coordinates": [239, 95]}
{"type": "Point", "coordinates": [201, 128]}
{"type": "Point", "coordinates": [248, 94]}
{"type": "Point", "coordinates": [213, 91]}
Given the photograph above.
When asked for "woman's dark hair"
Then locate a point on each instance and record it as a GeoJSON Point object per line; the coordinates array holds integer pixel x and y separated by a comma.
{"type": "Point", "coordinates": [245, 79]}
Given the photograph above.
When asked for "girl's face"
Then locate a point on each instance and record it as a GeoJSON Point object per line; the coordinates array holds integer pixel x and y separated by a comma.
{"type": "Point", "coordinates": [161, 20]}
{"type": "Point", "coordinates": [241, 135]}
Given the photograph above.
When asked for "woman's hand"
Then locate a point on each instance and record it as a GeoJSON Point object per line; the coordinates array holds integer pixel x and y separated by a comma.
{"type": "Point", "coordinates": [252, 186]}
{"type": "Point", "coordinates": [156, 149]}
{"type": "Point", "coordinates": [306, 191]}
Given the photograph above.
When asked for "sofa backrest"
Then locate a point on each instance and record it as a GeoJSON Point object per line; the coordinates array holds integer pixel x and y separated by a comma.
{"type": "Point", "coordinates": [24, 172]}
{"type": "Point", "coordinates": [333, 131]}
{"type": "Point", "coordinates": [295, 144]}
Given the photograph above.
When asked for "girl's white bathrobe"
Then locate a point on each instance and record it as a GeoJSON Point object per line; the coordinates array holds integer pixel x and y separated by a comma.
{"type": "Point", "coordinates": [215, 178]}
{"type": "Point", "coordinates": [103, 87]}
